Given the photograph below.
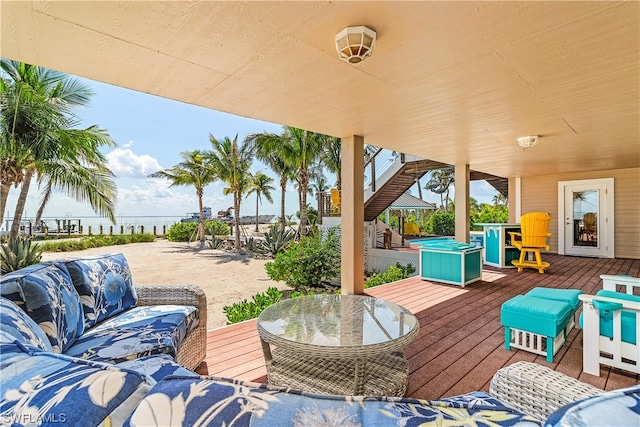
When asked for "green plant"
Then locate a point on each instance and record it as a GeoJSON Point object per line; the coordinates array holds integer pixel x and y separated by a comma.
{"type": "Point", "coordinates": [309, 263]}
{"type": "Point", "coordinates": [181, 231]}
{"type": "Point", "coordinates": [443, 224]}
{"type": "Point", "coordinates": [216, 243]}
{"type": "Point", "coordinates": [18, 253]}
{"type": "Point", "coordinates": [245, 310]}
{"type": "Point", "coordinates": [392, 274]}
{"type": "Point", "coordinates": [95, 242]}
{"type": "Point", "coordinates": [216, 228]}
{"type": "Point", "coordinates": [252, 244]}
{"type": "Point", "coordinates": [276, 240]}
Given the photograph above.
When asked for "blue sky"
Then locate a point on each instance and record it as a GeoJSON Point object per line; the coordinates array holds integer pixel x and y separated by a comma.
{"type": "Point", "coordinates": [151, 132]}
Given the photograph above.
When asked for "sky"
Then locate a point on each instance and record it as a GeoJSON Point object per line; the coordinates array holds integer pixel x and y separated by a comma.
{"type": "Point", "coordinates": [151, 132]}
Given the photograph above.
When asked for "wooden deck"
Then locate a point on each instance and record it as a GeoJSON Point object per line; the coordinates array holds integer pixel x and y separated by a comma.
{"type": "Point", "coordinates": [461, 342]}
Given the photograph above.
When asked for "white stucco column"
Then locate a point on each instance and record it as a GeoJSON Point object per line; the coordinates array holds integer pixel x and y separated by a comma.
{"type": "Point", "coordinates": [462, 177]}
{"type": "Point", "coordinates": [352, 216]}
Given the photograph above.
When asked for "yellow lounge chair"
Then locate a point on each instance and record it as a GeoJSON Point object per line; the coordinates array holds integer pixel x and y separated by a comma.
{"type": "Point", "coordinates": [534, 230]}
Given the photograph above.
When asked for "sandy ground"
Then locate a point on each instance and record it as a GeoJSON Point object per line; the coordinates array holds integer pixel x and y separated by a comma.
{"type": "Point", "coordinates": [225, 277]}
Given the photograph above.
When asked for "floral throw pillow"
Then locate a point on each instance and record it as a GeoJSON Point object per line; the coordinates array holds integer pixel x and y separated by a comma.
{"type": "Point", "coordinates": [46, 294]}
{"type": "Point", "coordinates": [104, 284]}
{"type": "Point", "coordinates": [18, 325]}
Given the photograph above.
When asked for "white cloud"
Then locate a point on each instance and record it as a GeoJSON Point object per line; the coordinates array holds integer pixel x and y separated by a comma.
{"type": "Point", "coordinates": [124, 163]}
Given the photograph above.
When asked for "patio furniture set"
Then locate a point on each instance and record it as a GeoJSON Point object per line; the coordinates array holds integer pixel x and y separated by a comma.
{"type": "Point", "coordinates": [79, 344]}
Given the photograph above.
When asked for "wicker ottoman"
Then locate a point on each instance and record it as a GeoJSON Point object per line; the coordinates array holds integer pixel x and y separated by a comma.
{"type": "Point", "coordinates": [535, 324]}
{"type": "Point", "coordinates": [570, 296]}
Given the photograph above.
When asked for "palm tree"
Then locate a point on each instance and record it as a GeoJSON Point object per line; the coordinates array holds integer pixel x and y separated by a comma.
{"type": "Point", "coordinates": [300, 149]}
{"type": "Point", "coordinates": [318, 185]}
{"type": "Point", "coordinates": [38, 137]}
{"type": "Point", "coordinates": [332, 158]}
{"type": "Point", "coordinates": [231, 163]}
{"type": "Point", "coordinates": [440, 182]}
{"type": "Point", "coordinates": [500, 199]}
{"type": "Point", "coordinates": [284, 171]}
{"type": "Point", "coordinates": [260, 184]}
{"type": "Point", "coordinates": [192, 171]}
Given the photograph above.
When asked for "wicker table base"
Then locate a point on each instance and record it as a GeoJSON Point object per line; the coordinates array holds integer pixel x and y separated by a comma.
{"type": "Point", "coordinates": [384, 376]}
{"type": "Point", "coordinates": [337, 344]}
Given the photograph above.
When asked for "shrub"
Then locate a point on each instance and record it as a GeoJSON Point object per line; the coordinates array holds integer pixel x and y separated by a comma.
{"type": "Point", "coordinates": [310, 263]}
{"type": "Point", "coordinates": [245, 310]}
{"type": "Point", "coordinates": [216, 243]}
{"type": "Point", "coordinates": [18, 253]}
{"type": "Point", "coordinates": [182, 231]}
{"type": "Point", "coordinates": [216, 228]}
{"type": "Point", "coordinates": [392, 274]}
{"type": "Point", "coordinates": [95, 242]}
{"type": "Point", "coordinates": [443, 224]}
{"type": "Point", "coordinates": [276, 241]}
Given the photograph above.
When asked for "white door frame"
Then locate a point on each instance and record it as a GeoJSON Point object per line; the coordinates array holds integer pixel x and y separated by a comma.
{"type": "Point", "coordinates": [605, 216]}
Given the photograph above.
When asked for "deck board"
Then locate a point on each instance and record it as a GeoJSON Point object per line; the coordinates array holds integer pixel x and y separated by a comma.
{"type": "Point", "coordinates": [461, 341]}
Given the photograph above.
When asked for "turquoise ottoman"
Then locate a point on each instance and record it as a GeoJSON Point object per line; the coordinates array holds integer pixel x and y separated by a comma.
{"type": "Point", "coordinates": [570, 296]}
{"type": "Point", "coordinates": [535, 324]}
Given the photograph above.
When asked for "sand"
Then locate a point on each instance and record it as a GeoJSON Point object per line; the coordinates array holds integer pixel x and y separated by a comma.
{"type": "Point", "coordinates": [225, 277]}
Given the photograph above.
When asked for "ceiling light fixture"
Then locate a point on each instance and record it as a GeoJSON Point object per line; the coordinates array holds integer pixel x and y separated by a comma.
{"type": "Point", "coordinates": [355, 44]}
{"type": "Point", "coordinates": [528, 141]}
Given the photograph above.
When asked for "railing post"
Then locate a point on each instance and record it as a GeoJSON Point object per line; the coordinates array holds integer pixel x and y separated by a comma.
{"type": "Point", "coordinates": [373, 173]}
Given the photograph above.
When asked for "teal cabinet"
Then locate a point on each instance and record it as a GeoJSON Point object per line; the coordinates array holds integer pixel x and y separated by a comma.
{"type": "Point", "coordinates": [451, 262]}
{"type": "Point", "coordinates": [498, 251]}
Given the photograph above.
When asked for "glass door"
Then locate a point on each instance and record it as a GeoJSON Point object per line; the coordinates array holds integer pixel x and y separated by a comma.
{"type": "Point", "coordinates": [587, 229]}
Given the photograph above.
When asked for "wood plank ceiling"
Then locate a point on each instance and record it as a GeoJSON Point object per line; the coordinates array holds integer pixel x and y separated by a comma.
{"type": "Point", "coordinates": [448, 81]}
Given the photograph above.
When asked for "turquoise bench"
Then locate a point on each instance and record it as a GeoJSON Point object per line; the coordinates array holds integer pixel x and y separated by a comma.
{"type": "Point", "coordinates": [535, 324]}
{"type": "Point", "coordinates": [570, 296]}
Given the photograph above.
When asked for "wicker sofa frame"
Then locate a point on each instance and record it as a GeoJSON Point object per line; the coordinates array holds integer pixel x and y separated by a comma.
{"type": "Point", "coordinates": [194, 348]}
{"type": "Point", "coordinates": [537, 390]}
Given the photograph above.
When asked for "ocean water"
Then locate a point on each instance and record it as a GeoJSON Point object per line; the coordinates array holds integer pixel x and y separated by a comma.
{"type": "Point", "coordinates": [123, 222]}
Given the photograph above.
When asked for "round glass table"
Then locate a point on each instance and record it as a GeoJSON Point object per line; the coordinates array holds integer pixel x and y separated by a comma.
{"type": "Point", "coordinates": [338, 344]}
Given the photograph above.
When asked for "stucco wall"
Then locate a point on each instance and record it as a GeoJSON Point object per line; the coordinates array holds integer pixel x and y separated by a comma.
{"type": "Point", "coordinates": [540, 193]}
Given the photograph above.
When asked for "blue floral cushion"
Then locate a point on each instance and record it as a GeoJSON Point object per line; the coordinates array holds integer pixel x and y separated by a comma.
{"type": "Point", "coordinates": [45, 292]}
{"type": "Point", "coordinates": [216, 402]}
{"type": "Point", "coordinates": [104, 284]}
{"type": "Point", "coordinates": [157, 367]}
{"type": "Point", "coordinates": [16, 323]}
{"type": "Point", "coordinates": [47, 388]}
{"type": "Point", "coordinates": [614, 408]}
{"type": "Point", "coordinates": [141, 331]}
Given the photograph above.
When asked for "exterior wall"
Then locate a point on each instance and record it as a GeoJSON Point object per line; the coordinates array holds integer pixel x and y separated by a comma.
{"type": "Point", "coordinates": [540, 193]}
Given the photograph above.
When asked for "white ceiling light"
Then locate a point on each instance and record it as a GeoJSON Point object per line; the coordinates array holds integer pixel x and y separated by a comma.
{"type": "Point", "coordinates": [355, 44]}
{"type": "Point", "coordinates": [528, 141]}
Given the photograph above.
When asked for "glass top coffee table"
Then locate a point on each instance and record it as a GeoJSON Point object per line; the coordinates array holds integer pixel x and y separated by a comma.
{"type": "Point", "coordinates": [338, 344]}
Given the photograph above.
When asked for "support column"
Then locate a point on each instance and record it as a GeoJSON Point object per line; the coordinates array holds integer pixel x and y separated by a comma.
{"type": "Point", "coordinates": [352, 216]}
{"type": "Point", "coordinates": [515, 199]}
{"type": "Point", "coordinates": [462, 176]}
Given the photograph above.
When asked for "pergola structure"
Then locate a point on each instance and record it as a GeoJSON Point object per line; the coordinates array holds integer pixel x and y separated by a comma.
{"type": "Point", "coordinates": [456, 82]}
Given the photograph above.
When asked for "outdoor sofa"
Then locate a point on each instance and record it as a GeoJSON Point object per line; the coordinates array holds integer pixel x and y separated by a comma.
{"type": "Point", "coordinates": [80, 345]}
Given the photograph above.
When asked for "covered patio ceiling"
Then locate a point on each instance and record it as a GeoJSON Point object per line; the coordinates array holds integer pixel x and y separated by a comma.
{"type": "Point", "coordinates": [449, 81]}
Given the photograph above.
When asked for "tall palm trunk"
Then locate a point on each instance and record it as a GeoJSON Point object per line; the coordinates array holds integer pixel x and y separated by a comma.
{"type": "Point", "coordinates": [43, 204]}
{"type": "Point", "coordinates": [304, 182]}
{"type": "Point", "coordinates": [257, 202]}
{"type": "Point", "coordinates": [201, 219]}
{"type": "Point", "coordinates": [4, 193]}
{"type": "Point", "coordinates": [283, 220]}
{"type": "Point", "coordinates": [236, 215]}
{"type": "Point", "coordinates": [22, 201]}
